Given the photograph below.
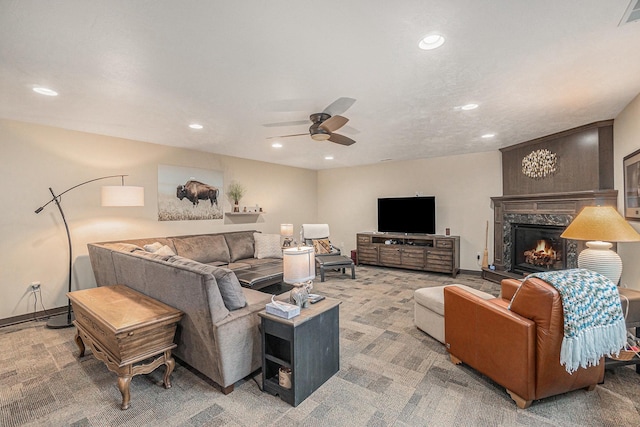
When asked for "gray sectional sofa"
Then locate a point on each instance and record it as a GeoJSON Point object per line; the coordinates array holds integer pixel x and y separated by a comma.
{"type": "Point", "coordinates": [218, 334]}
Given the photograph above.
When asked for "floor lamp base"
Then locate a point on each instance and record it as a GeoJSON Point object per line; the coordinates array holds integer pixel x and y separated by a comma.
{"type": "Point", "coordinates": [60, 321]}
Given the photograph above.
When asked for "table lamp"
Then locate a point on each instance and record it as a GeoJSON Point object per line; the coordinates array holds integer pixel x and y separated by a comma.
{"type": "Point", "coordinates": [299, 270]}
{"type": "Point", "coordinates": [286, 231]}
{"type": "Point", "coordinates": [600, 225]}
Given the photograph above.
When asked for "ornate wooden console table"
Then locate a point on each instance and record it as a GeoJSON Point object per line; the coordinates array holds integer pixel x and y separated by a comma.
{"type": "Point", "coordinates": [123, 327]}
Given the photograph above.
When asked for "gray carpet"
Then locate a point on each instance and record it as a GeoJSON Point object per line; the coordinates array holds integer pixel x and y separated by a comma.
{"type": "Point", "coordinates": [391, 374]}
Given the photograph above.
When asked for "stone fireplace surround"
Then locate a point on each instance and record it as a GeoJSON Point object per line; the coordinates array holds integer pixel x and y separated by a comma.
{"type": "Point", "coordinates": [550, 209]}
{"type": "Point", "coordinates": [570, 256]}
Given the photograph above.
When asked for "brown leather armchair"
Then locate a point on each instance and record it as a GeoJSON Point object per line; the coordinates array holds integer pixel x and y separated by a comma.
{"type": "Point", "coordinates": [517, 348]}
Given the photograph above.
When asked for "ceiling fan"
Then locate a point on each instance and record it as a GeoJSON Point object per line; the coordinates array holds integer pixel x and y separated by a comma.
{"type": "Point", "coordinates": [324, 124]}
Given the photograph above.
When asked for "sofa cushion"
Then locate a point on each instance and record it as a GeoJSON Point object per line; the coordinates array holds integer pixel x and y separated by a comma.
{"type": "Point", "coordinates": [204, 248]}
{"type": "Point", "coordinates": [123, 247]}
{"type": "Point", "coordinates": [241, 245]}
{"type": "Point", "coordinates": [267, 246]}
{"type": "Point", "coordinates": [228, 284]}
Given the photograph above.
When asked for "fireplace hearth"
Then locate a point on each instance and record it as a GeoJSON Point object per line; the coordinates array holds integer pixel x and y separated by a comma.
{"type": "Point", "coordinates": [537, 247]}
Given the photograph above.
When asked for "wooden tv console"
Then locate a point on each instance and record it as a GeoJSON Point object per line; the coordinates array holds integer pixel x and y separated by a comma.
{"type": "Point", "coordinates": [414, 251]}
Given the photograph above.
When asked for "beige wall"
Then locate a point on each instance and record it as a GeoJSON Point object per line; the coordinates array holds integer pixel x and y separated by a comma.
{"type": "Point", "coordinates": [626, 137]}
{"type": "Point", "coordinates": [34, 247]}
{"type": "Point", "coordinates": [462, 185]}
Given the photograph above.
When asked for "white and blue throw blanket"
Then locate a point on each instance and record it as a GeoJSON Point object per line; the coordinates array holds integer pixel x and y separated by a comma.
{"type": "Point", "coordinates": [594, 325]}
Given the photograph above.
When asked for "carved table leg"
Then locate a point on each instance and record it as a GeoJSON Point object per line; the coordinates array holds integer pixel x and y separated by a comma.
{"type": "Point", "coordinates": [123, 385]}
{"type": "Point", "coordinates": [170, 364]}
{"type": "Point", "coordinates": [79, 343]}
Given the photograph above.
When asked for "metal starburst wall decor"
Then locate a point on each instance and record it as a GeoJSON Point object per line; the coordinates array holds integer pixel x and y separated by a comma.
{"type": "Point", "coordinates": [539, 164]}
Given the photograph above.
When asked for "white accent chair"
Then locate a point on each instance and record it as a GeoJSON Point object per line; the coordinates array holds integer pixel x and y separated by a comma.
{"type": "Point", "coordinates": [312, 232]}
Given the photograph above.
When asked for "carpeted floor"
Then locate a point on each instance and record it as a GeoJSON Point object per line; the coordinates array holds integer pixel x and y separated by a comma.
{"type": "Point", "coordinates": [391, 374]}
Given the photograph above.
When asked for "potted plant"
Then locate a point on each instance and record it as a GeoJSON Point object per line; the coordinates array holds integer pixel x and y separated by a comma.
{"type": "Point", "coordinates": [235, 192]}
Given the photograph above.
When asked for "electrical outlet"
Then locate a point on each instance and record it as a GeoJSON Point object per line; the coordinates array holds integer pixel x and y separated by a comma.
{"type": "Point", "coordinates": [35, 286]}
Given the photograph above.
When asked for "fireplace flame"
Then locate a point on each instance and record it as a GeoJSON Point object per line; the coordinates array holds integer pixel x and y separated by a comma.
{"type": "Point", "coordinates": [544, 247]}
{"type": "Point", "coordinates": [542, 255]}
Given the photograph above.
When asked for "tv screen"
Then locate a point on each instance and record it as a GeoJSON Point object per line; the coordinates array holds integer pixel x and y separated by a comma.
{"type": "Point", "coordinates": [407, 215]}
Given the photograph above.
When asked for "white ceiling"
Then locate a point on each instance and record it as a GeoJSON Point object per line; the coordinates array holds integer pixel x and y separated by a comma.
{"type": "Point", "coordinates": [144, 70]}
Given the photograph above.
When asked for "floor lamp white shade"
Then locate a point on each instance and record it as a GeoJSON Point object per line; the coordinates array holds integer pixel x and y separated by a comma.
{"type": "Point", "coordinates": [600, 258]}
{"type": "Point", "coordinates": [122, 195]}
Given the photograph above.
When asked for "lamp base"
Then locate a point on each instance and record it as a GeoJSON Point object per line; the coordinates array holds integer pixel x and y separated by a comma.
{"type": "Point", "coordinates": [60, 321]}
{"type": "Point", "coordinates": [600, 258]}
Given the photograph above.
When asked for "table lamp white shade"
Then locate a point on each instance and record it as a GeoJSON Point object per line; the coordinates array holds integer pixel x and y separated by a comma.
{"type": "Point", "coordinates": [299, 264]}
{"type": "Point", "coordinates": [601, 225]}
{"type": "Point", "coordinates": [122, 195]}
{"type": "Point", "coordinates": [286, 230]}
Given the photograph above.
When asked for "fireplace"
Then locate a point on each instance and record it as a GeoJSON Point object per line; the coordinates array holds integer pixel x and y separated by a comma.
{"type": "Point", "coordinates": [537, 247]}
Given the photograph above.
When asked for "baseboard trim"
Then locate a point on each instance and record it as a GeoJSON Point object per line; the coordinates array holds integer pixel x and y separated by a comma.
{"type": "Point", "coordinates": [38, 315]}
{"type": "Point", "coordinates": [471, 272]}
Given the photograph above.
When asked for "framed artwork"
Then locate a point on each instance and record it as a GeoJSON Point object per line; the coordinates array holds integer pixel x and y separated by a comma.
{"type": "Point", "coordinates": [189, 193]}
{"type": "Point", "coordinates": [632, 186]}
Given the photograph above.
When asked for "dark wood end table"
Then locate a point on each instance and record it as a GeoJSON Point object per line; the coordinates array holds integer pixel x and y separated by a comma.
{"type": "Point", "coordinates": [308, 345]}
{"type": "Point", "coordinates": [123, 327]}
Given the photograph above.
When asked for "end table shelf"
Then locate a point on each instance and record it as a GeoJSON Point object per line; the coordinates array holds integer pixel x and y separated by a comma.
{"type": "Point", "coordinates": [308, 344]}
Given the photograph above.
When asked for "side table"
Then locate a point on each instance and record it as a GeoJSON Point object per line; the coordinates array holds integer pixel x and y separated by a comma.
{"type": "Point", "coordinates": [123, 327]}
{"type": "Point", "coordinates": [308, 344]}
{"type": "Point", "coordinates": [630, 300]}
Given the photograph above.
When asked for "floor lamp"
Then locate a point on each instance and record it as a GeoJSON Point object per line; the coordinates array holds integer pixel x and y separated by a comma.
{"type": "Point", "coordinates": [601, 225]}
{"type": "Point", "coordinates": [116, 195]}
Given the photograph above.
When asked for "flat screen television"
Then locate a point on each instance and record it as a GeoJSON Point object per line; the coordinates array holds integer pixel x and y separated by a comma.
{"type": "Point", "coordinates": [407, 215]}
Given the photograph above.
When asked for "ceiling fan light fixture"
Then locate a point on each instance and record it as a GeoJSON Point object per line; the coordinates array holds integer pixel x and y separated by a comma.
{"type": "Point", "coordinates": [431, 41]}
{"type": "Point", "coordinates": [320, 136]}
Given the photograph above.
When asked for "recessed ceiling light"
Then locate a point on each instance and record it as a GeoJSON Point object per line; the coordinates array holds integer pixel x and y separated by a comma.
{"type": "Point", "coordinates": [328, 157]}
{"type": "Point", "coordinates": [431, 41]}
{"type": "Point", "coordinates": [469, 107]}
{"type": "Point", "coordinates": [195, 126]}
{"type": "Point", "coordinates": [276, 145]}
{"type": "Point", "coordinates": [45, 91]}
{"type": "Point", "coordinates": [488, 135]}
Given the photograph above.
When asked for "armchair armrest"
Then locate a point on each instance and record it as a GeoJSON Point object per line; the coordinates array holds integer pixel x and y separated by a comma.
{"type": "Point", "coordinates": [508, 288]}
{"type": "Point", "coordinates": [493, 340]}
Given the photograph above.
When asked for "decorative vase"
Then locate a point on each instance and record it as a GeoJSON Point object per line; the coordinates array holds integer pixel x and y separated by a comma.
{"type": "Point", "coordinates": [236, 208]}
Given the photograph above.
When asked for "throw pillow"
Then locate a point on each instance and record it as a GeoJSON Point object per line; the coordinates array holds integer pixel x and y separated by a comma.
{"type": "Point", "coordinates": [228, 284]}
{"type": "Point", "coordinates": [159, 248]}
{"type": "Point", "coordinates": [322, 246]}
{"type": "Point", "coordinates": [164, 250]}
{"type": "Point", "coordinates": [267, 246]}
{"type": "Point", "coordinates": [153, 247]}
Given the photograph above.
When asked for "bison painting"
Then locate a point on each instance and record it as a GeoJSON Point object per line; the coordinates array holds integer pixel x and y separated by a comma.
{"type": "Point", "coordinates": [196, 190]}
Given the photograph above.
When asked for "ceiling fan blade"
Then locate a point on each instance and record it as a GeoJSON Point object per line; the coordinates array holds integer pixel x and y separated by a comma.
{"type": "Point", "coordinates": [341, 139]}
{"type": "Point", "coordinates": [292, 123]}
{"type": "Point", "coordinates": [339, 106]}
{"type": "Point", "coordinates": [333, 123]}
{"type": "Point", "coordinates": [288, 136]}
